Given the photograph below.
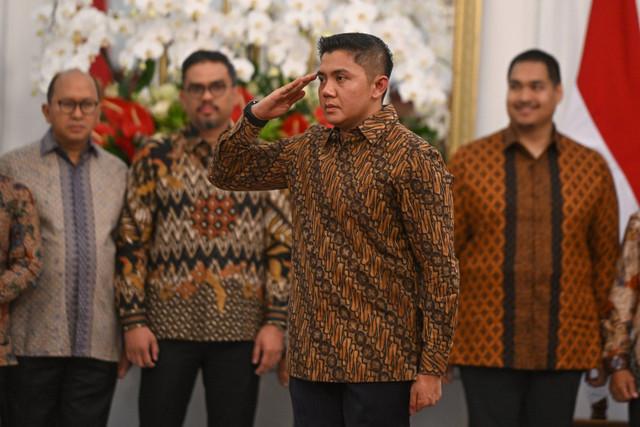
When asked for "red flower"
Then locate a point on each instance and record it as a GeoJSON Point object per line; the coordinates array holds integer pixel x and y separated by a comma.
{"type": "Point", "coordinates": [125, 123]}
{"type": "Point", "coordinates": [102, 132]}
{"type": "Point", "coordinates": [294, 124]}
{"type": "Point", "coordinates": [319, 115]}
{"type": "Point", "coordinates": [131, 118]}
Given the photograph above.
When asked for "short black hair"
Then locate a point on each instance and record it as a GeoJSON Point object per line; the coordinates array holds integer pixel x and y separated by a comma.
{"type": "Point", "coordinates": [536, 55]}
{"type": "Point", "coordinates": [209, 56]}
{"type": "Point", "coordinates": [369, 51]}
{"type": "Point", "coordinates": [52, 84]}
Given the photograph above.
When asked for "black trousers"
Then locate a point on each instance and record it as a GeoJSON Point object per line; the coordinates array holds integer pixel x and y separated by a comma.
{"type": "Point", "coordinates": [634, 412]}
{"type": "Point", "coordinates": [231, 386]}
{"type": "Point", "coordinates": [322, 404]}
{"type": "Point", "coordinates": [512, 397]}
{"type": "Point", "coordinates": [60, 391]}
{"type": "Point", "coordinates": [4, 418]}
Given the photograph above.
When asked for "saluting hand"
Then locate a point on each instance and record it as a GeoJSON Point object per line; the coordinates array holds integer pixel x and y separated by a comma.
{"type": "Point", "coordinates": [280, 100]}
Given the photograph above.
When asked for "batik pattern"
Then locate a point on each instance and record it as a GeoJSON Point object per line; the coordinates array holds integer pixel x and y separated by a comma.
{"type": "Point", "coordinates": [196, 262]}
{"type": "Point", "coordinates": [375, 278]}
{"type": "Point", "coordinates": [623, 320]}
{"type": "Point", "coordinates": [20, 253]}
{"type": "Point", "coordinates": [537, 242]}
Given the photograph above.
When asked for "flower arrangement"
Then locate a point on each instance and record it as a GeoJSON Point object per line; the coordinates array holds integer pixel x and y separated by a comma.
{"type": "Point", "coordinates": [270, 42]}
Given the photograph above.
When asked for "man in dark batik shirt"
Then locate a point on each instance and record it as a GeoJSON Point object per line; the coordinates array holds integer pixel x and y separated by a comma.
{"type": "Point", "coordinates": [203, 278]}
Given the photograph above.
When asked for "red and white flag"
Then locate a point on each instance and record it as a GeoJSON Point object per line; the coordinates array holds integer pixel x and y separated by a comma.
{"type": "Point", "coordinates": [604, 109]}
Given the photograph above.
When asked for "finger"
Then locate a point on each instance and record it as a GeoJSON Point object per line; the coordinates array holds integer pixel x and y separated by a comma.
{"type": "Point", "coordinates": [123, 368]}
{"type": "Point", "coordinates": [283, 379]}
{"type": "Point", "coordinates": [155, 350]}
{"type": "Point", "coordinates": [257, 349]}
{"type": "Point", "coordinates": [633, 391]}
{"type": "Point", "coordinates": [619, 394]}
{"type": "Point", "coordinates": [272, 358]}
{"type": "Point", "coordinates": [298, 84]}
{"type": "Point", "coordinates": [300, 96]}
{"type": "Point", "coordinates": [295, 86]}
{"type": "Point", "coordinates": [629, 390]}
{"type": "Point", "coordinates": [149, 355]}
{"type": "Point", "coordinates": [134, 358]}
{"type": "Point", "coordinates": [262, 368]}
{"type": "Point", "coordinates": [413, 402]}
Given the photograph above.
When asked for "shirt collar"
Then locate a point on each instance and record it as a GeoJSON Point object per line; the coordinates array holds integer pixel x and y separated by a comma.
{"type": "Point", "coordinates": [376, 125]}
{"type": "Point", "coordinates": [511, 138]}
{"type": "Point", "coordinates": [48, 144]}
{"type": "Point", "coordinates": [193, 138]}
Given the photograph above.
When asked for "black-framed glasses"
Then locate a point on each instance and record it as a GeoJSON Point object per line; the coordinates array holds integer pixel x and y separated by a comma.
{"type": "Point", "coordinates": [87, 106]}
{"type": "Point", "coordinates": [196, 90]}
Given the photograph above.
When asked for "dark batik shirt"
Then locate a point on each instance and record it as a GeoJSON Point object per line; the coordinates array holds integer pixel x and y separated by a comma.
{"type": "Point", "coordinates": [20, 253]}
{"type": "Point", "coordinates": [195, 262]}
{"type": "Point", "coordinates": [537, 241]}
{"type": "Point", "coordinates": [375, 278]}
{"type": "Point", "coordinates": [622, 325]}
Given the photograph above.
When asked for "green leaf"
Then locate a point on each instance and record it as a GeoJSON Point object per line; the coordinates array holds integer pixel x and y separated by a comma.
{"type": "Point", "coordinates": [271, 131]}
{"type": "Point", "coordinates": [146, 76]}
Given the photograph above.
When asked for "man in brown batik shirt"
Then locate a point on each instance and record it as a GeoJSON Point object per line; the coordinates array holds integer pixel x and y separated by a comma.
{"type": "Point", "coordinates": [375, 279]}
{"type": "Point", "coordinates": [536, 232]}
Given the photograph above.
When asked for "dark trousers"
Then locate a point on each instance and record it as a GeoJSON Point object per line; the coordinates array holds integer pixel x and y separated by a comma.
{"type": "Point", "coordinates": [322, 404]}
{"type": "Point", "coordinates": [634, 412]}
{"type": "Point", "coordinates": [3, 397]}
{"type": "Point", "coordinates": [512, 397]}
{"type": "Point", "coordinates": [231, 386]}
{"type": "Point", "coordinates": [60, 391]}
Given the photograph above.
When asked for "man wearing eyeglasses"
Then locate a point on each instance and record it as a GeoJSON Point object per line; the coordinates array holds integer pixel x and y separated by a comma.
{"type": "Point", "coordinates": [202, 274]}
{"type": "Point", "coordinates": [65, 331]}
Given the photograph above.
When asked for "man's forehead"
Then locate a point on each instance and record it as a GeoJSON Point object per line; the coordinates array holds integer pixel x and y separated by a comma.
{"type": "Point", "coordinates": [529, 71]}
{"type": "Point", "coordinates": [207, 72]}
{"type": "Point", "coordinates": [72, 81]}
{"type": "Point", "coordinates": [336, 61]}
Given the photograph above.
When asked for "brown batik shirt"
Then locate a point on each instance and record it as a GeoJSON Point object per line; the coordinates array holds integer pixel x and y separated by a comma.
{"type": "Point", "coordinates": [537, 241]}
{"type": "Point", "coordinates": [375, 278]}
{"type": "Point", "coordinates": [20, 254]}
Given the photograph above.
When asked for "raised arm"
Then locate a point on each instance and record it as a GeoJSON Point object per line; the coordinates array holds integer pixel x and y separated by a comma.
{"type": "Point", "coordinates": [240, 162]}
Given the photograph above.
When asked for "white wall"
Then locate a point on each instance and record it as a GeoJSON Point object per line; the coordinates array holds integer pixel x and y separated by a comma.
{"type": "Point", "coordinates": [509, 27]}
{"type": "Point", "coordinates": [21, 121]}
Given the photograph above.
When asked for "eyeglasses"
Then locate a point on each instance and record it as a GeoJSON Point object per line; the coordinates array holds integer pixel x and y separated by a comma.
{"type": "Point", "coordinates": [87, 106]}
{"type": "Point", "coordinates": [215, 89]}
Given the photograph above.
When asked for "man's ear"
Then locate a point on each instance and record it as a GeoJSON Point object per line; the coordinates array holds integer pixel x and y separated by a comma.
{"type": "Point", "coordinates": [559, 93]}
{"type": "Point", "coordinates": [380, 86]}
{"type": "Point", "coordinates": [45, 112]}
